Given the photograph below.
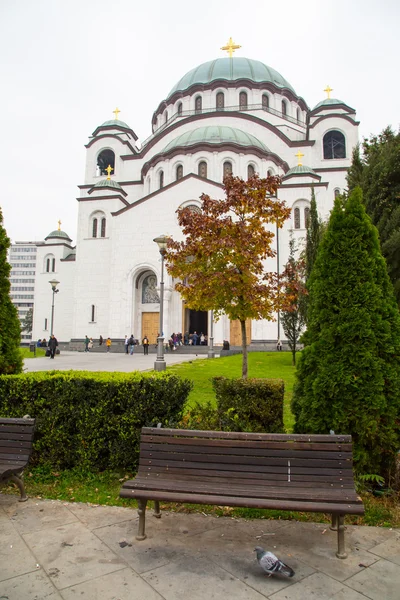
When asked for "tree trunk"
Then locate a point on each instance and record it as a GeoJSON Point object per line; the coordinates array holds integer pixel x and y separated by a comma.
{"type": "Point", "coordinates": [244, 349]}
{"type": "Point", "coordinates": [294, 351]}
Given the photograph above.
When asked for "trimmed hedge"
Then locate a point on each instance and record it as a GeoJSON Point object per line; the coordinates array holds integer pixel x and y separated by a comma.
{"type": "Point", "coordinates": [253, 405]}
{"type": "Point", "coordinates": [92, 420]}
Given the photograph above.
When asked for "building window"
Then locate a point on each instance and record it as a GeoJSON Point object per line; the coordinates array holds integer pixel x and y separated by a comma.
{"type": "Point", "coordinates": [105, 158]}
{"type": "Point", "coordinates": [270, 173]}
{"type": "Point", "coordinates": [94, 228]}
{"type": "Point", "coordinates": [180, 108]}
{"type": "Point", "coordinates": [203, 169]}
{"type": "Point", "coordinates": [194, 208]}
{"type": "Point", "coordinates": [306, 217]}
{"type": "Point", "coordinates": [250, 171]}
{"type": "Point", "coordinates": [198, 103]}
{"type": "Point", "coordinates": [45, 324]}
{"type": "Point", "coordinates": [336, 192]}
{"type": "Point", "coordinates": [166, 117]}
{"type": "Point", "coordinates": [149, 290]}
{"type": "Point", "coordinates": [179, 172]}
{"type": "Point", "coordinates": [298, 114]}
{"type": "Point", "coordinates": [284, 108]}
{"type": "Point", "coordinates": [103, 228]}
{"type": "Point", "coordinates": [92, 313]}
{"type": "Point", "coordinates": [297, 218]}
{"type": "Point", "coordinates": [227, 168]}
{"type": "Point", "coordinates": [265, 102]}
{"type": "Point", "coordinates": [161, 179]}
{"type": "Point", "coordinates": [48, 265]}
{"type": "Point", "coordinates": [242, 101]}
{"type": "Point", "coordinates": [220, 102]}
{"type": "Point", "coordinates": [334, 145]}
{"type": "Point", "coordinates": [53, 264]}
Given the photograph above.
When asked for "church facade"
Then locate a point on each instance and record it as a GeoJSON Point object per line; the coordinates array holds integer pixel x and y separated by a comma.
{"type": "Point", "coordinates": [231, 114]}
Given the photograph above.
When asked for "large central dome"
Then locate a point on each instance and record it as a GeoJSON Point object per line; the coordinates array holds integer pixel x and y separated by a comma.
{"type": "Point", "coordinates": [231, 69]}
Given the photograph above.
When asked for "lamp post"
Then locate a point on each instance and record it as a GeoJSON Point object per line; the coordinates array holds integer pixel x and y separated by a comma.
{"type": "Point", "coordinates": [277, 269]}
{"type": "Point", "coordinates": [211, 353]}
{"type": "Point", "coordinates": [160, 364]}
{"type": "Point", "coordinates": [54, 283]}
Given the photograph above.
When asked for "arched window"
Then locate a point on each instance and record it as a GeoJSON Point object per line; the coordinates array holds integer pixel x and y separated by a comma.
{"type": "Point", "coordinates": [227, 168]}
{"type": "Point", "coordinates": [179, 172]}
{"type": "Point", "coordinates": [103, 227]}
{"type": "Point", "coordinates": [284, 107]}
{"type": "Point", "coordinates": [265, 101]}
{"type": "Point", "coordinates": [105, 158]}
{"type": "Point", "coordinates": [297, 218]}
{"type": "Point", "coordinates": [334, 145]}
{"type": "Point", "coordinates": [198, 103]}
{"type": "Point", "coordinates": [94, 228]}
{"type": "Point", "coordinates": [180, 108]}
{"type": "Point", "coordinates": [250, 171]}
{"type": "Point", "coordinates": [194, 208]}
{"type": "Point", "coordinates": [242, 101]}
{"type": "Point", "coordinates": [270, 172]}
{"type": "Point", "coordinates": [203, 168]}
{"type": "Point", "coordinates": [298, 114]}
{"type": "Point", "coordinates": [336, 192]}
{"type": "Point", "coordinates": [48, 265]}
{"type": "Point", "coordinates": [53, 264]}
{"type": "Point", "coordinates": [220, 101]}
{"type": "Point", "coordinates": [161, 180]}
{"type": "Point", "coordinates": [166, 116]}
{"type": "Point", "coordinates": [306, 217]}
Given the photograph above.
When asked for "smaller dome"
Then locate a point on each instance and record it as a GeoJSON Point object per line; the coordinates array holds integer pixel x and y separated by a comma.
{"type": "Point", "coordinates": [301, 170]}
{"type": "Point", "coordinates": [215, 135]}
{"type": "Point", "coordinates": [115, 123]}
{"type": "Point", "coordinates": [110, 183]}
{"type": "Point", "coordinates": [328, 102]}
{"type": "Point", "coordinates": [59, 235]}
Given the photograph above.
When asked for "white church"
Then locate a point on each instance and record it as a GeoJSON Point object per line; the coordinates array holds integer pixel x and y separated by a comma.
{"type": "Point", "coordinates": [231, 114]}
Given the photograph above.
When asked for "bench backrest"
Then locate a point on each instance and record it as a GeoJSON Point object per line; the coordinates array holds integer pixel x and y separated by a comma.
{"type": "Point", "coordinates": [283, 459]}
{"type": "Point", "coordinates": [16, 438]}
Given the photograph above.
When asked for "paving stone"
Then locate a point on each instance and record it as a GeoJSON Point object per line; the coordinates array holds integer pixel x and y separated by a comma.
{"type": "Point", "coordinates": [15, 558]}
{"type": "Point", "coordinates": [381, 581]}
{"type": "Point", "coordinates": [72, 554]}
{"type": "Point", "coordinates": [32, 586]}
{"type": "Point", "coordinates": [317, 587]}
{"type": "Point", "coordinates": [197, 579]}
{"type": "Point", "coordinates": [367, 537]}
{"type": "Point", "coordinates": [34, 515]}
{"type": "Point", "coordinates": [122, 585]}
{"type": "Point", "coordinates": [100, 516]}
{"type": "Point", "coordinates": [389, 549]}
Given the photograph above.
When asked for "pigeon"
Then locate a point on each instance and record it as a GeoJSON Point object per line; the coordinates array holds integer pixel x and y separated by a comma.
{"type": "Point", "coordinates": [271, 563]}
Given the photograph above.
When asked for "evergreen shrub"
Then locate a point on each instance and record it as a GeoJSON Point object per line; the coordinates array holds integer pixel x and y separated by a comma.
{"type": "Point", "coordinates": [253, 405]}
{"type": "Point", "coordinates": [92, 420]}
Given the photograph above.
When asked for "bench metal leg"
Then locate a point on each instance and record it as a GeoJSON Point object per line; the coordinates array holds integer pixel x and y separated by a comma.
{"type": "Point", "coordinates": [142, 519]}
{"type": "Point", "coordinates": [334, 524]}
{"type": "Point", "coordinates": [341, 553]}
{"type": "Point", "coordinates": [157, 512]}
{"type": "Point", "coordinates": [20, 484]}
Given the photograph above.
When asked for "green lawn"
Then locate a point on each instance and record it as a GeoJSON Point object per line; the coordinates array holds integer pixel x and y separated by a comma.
{"type": "Point", "coordinates": [26, 353]}
{"type": "Point", "coordinates": [274, 365]}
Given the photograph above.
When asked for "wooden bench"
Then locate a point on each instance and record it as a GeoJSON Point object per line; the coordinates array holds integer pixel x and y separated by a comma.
{"type": "Point", "coordinates": [16, 439]}
{"type": "Point", "coordinates": [310, 473]}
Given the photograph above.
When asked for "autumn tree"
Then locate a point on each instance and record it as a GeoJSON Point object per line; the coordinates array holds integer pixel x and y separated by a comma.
{"type": "Point", "coordinates": [294, 296]}
{"type": "Point", "coordinates": [220, 263]}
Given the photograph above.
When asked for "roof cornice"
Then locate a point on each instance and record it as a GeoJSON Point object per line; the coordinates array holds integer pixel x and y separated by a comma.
{"type": "Point", "coordinates": [111, 127]}
{"type": "Point", "coordinates": [336, 116]}
{"type": "Point", "coordinates": [116, 197]}
{"type": "Point", "coordinates": [114, 136]}
{"type": "Point", "coordinates": [314, 111]}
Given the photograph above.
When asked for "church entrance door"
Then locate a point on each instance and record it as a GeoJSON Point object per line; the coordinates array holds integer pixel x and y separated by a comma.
{"type": "Point", "coordinates": [150, 325]}
{"type": "Point", "coordinates": [236, 333]}
{"type": "Point", "coordinates": [196, 320]}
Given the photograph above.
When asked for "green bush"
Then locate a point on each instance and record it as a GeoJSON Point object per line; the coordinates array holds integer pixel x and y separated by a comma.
{"type": "Point", "coordinates": [254, 405]}
{"type": "Point", "coordinates": [92, 420]}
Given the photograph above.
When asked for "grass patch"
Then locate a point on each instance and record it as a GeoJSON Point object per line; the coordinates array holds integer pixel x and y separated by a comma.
{"type": "Point", "coordinates": [26, 353]}
{"type": "Point", "coordinates": [273, 365]}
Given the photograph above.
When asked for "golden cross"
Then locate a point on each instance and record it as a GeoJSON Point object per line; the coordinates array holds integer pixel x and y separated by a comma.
{"type": "Point", "coordinates": [230, 47]}
{"type": "Point", "coordinates": [299, 157]}
{"type": "Point", "coordinates": [328, 90]}
{"type": "Point", "coordinates": [109, 169]}
{"type": "Point", "coordinates": [59, 225]}
{"type": "Point", "coordinates": [116, 112]}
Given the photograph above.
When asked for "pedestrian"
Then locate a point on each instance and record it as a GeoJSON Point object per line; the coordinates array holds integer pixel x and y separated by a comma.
{"type": "Point", "coordinates": [279, 345]}
{"type": "Point", "coordinates": [186, 338]}
{"type": "Point", "coordinates": [101, 340]}
{"type": "Point", "coordinates": [202, 339]}
{"type": "Point", "coordinates": [131, 343]}
{"type": "Point", "coordinates": [86, 343]}
{"type": "Point", "coordinates": [126, 344]}
{"type": "Point", "coordinates": [90, 344]}
{"type": "Point", "coordinates": [145, 342]}
{"type": "Point", "coordinates": [195, 338]}
{"type": "Point", "coordinates": [53, 343]}
{"type": "Point", "coordinates": [108, 344]}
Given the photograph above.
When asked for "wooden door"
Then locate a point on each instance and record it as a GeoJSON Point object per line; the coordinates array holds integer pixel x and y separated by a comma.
{"type": "Point", "coordinates": [236, 333]}
{"type": "Point", "coordinates": [150, 325]}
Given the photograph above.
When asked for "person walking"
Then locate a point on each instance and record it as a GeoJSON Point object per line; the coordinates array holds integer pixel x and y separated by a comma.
{"type": "Point", "coordinates": [90, 344]}
{"type": "Point", "coordinates": [101, 340]}
{"type": "Point", "coordinates": [86, 343]}
{"type": "Point", "coordinates": [126, 343]}
{"type": "Point", "coordinates": [53, 343]}
{"type": "Point", "coordinates": [145, 342]}
{"type": "Point", "coordinates": [279, 345]}
{"type": "Point", "coordinates": [131, 344]}
{"type": "Point", "coordinates": [108, 344]}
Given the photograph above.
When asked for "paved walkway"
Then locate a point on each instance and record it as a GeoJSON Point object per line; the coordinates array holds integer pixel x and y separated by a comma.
{"type": "Point", "coordinates": [56, 550]}
{"type": "Point", "coordinates": [87, 361]}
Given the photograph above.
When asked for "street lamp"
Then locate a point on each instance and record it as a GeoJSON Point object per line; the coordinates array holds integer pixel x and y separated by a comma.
{"type": "Point", "coordinates": [54, 283]}
{"type": "Point", "coordinates": [160, 364]}
{"type": "Point", "coordinates": [211, 353]}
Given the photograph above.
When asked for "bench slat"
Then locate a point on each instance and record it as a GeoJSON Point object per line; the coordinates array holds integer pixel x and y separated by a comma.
{"type": "Point", "coordinates": [24, 429]}
{"type": "Point", "coordinates": [244, 436]}
{"type": "Point", "coordinates": [14, 444]}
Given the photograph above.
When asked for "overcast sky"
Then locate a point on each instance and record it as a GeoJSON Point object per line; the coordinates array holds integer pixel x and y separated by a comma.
{"type": "Point", "coordinates": [66, 64]}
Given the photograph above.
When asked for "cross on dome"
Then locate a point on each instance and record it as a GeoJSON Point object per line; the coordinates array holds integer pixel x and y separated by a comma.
{"type": "Point", "coordinates": [116, 113]}
{"type": "Point", "coordinates": [109, 169]}
{"type": "Point", "coordinates": [328, 90]}
{"type": "Point", "coordinates": [59, 225]}
{"type": "Point", "coordinates": [230, 47]}
{"type": "Point", "coordinates": [299, 157]}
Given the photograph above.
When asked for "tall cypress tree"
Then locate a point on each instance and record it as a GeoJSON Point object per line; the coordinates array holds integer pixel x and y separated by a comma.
{"type": "Point", "coordinates": [10, 330]}
{"type": "Point", "coordinates": [348, 377]}
{"type": "Point", "coordinates": [314, 234]}
{"type": "Point", "coordinates": [355, 173]}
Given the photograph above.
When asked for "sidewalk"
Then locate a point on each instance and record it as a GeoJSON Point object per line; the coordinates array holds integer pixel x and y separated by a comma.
{"type": "Point", "coordinates": [56, 550]}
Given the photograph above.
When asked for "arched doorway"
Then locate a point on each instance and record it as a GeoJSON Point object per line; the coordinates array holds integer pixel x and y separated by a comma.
{"type": "Point", "coordinates": [195, 320]}
{"type": "Point", "coordinates": [146, 306]}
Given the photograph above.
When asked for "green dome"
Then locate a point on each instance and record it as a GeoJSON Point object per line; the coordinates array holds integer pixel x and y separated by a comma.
{"type": "Point", "coordinates": [115, 123]}
{"type": "Point", "coordinates": [215, 135]}
{"type": "Point", "coordinates": [57, 233]}
{"type": "Point", "coordinates": [108, 183]}
{"type": "Point", "coordinates": [301, 170]}
{"type": "Point", "coordinates": [328, 102]}
{"type": "Point", "coordinates": [231, 69]}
